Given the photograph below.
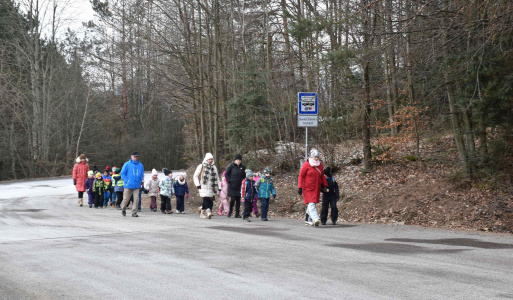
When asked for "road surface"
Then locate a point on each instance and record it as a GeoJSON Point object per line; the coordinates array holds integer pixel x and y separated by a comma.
{"type": "Point", "coordinates": [52, 249]}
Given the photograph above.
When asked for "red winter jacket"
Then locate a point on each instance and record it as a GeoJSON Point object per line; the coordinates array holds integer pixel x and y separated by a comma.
{"type": "Point", "coordinates": [80, 175]}
{"type": "Point", "coordinates": [310, 180]}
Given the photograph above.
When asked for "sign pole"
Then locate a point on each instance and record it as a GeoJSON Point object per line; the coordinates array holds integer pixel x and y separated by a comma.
{"type": "Point", "coordinates": [306, 143]}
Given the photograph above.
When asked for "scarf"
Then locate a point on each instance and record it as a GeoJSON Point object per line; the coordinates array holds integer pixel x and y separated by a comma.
{"type": "Point", "coordinates": [210, 175]}
{"type": "Point", "coordinates": [314, 163]}
{"type": "Point", "coordinates": [181, 182]}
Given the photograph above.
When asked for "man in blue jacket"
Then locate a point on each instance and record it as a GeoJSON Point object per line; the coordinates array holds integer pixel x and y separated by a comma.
{"type": "Point", "coordinates": [132, 175]}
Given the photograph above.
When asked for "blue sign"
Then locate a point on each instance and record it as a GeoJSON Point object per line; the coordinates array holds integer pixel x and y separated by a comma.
{"type": "Point", "coordinates": [307, 104]}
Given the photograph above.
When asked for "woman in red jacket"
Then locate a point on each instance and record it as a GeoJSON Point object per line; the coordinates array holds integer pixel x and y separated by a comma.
{"type": "Point", "coordinates": [310, 182]}
{"type": "Point", "coordinates": [80, 175]}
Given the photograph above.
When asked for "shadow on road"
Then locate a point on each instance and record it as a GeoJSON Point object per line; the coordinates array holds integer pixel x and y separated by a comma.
{"type": "Point", "coordinates": [262, 231]}
{"type": "Point", "coordinates": [461, 242]}
{"type": "Point", "coordinates": [336, 226]}
{"type": "Point", "coordinates": [395, 248]}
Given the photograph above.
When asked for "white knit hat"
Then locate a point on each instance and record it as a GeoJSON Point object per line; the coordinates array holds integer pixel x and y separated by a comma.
{"type": "Point", "coordinates": [154, 172]}
{"type": "Point", "coordinates": [208, 156]}
{"type": "Point", "coordinates": [314, 153]}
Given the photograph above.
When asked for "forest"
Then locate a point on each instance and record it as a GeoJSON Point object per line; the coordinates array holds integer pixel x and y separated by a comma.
{"type": "Point", "coordinates": [175, 79]}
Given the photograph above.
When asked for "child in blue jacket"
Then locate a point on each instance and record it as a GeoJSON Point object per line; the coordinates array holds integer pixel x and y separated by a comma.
{"type": "Point", "coordinates": [181, 189]}
{"type": "Point", "coordinates": [265, 188]}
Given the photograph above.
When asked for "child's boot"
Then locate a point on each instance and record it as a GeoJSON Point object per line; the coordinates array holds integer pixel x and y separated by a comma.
{"type": "Point", "coordinates": [220, 212]}
{"type": "Point", "coordinates": [203, 214]}
{"type": "Point", "coordinates": [209, 213]}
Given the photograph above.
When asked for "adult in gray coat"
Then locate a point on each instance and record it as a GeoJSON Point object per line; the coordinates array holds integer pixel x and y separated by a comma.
{"type": "Point", "coordinates": [235, 173]}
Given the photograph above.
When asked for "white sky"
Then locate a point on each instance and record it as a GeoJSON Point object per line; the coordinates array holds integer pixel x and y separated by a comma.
{"type": "Point", "coordinates": [70, 14]}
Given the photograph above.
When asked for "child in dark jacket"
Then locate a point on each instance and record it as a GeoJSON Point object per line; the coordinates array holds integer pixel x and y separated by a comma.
{"type": "Point", "coordinates": [89, 187]}
{"type": "Point", "coordinates": [181, 189]}
{"type": "Point", "coordinates": [265, 187]}
{"type": "Point", "coordinates": [330, 198]}
{"type": "Point", "coordinates": [98, 190]}
{"type": "Point", "coordinates": [249, 194]}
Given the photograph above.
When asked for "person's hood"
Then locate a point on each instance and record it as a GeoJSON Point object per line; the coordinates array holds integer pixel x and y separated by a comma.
{"type": "Point", "coordinates": [207, 157]}
{"type": "Point", "coordinates": [134, 161]}
{"type": "Point", "coordinates": [327, 172]}
{"type": "Point", "coordinates": [78, 160]}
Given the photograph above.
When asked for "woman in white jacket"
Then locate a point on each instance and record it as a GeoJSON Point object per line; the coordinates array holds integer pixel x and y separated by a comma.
{"type": "Point", "coordinates": [206, 179]}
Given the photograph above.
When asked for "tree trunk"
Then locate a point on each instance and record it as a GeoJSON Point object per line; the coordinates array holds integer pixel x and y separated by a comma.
{"type": "Point", "coordinates": [366, 128]}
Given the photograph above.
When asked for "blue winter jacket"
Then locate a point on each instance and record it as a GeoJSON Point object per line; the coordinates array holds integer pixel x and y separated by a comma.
{"type": "Point", "coordinates": [250, 191]}
{"type": "Point", "coordinates": [265, 187]}
{"type": "Point", "coordinates": [181, 189]}
{"type": "Point", "coordinates": [132, 174]}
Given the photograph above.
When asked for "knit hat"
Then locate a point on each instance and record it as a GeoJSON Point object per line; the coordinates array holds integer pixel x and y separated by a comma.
{"type": "Point", "coordinates": [249, 173]}
{"type": "Point", "coordinates": [208, 156]}
{"type": "Point", "coordinates": [238, 156]}
{"type": "Point", "coordinates": [98, 175]}
{"type": "Point", "coordinates": [166, 171]}
{"type": "Point", "coordinates": [267, 170]}
{"type": "Point", "coordinates": [314, 153]}
{"type": "Point", "coordinates": [327, 172]}
{"type": "Point", "coordinates": [154, 172]}
{"type": "Point", "coordinates": [136, 154]}
{"type": "Point", "coordinates": [117, 170]}
{"type": "Point", "coordinates": [89, 173]}
{"type": "Point", "coordinates": [107, 168]}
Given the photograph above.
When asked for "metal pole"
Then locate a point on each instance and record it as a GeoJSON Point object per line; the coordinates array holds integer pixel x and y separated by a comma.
{"type": "Point", "coordinates": [306, 143]}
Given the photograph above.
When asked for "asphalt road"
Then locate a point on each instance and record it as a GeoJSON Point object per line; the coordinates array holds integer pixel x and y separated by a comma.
{"type": "Point", "coordinates": [50, 248]}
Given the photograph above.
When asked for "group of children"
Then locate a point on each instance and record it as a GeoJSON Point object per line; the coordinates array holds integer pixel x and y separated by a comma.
{"type": "Point", "coordinates": [104, 189]}
{"type": "Point", "coordinates": [253, 188]}
{"type": "Point", "coordinates": [107, 189]}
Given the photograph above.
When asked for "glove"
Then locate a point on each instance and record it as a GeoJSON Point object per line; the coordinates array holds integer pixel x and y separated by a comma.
{"type": "Point", "coordinates": [74, 182]}
{"type": "Point", "coordinates": [198, 186]}
{"type": "Point", "coordinates": [274, 196]}
{"type": "Point", "coordinates": [300, 191]}
{"type": "Point", "coordinates": [187, 195]}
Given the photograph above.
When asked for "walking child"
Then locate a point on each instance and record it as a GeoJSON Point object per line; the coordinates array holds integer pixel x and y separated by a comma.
{"type": "Point", "coordinates": [265, 188]}
{"type": "Point", "coordinates": [114, 195]}
{"type": "Point", "coordinates": [223, 195]}
{"type": "Point", "coordinates": [89, 187]}
{"type": "Point", "coordinates": [107, 179]}
{"type": "Point", "coordinates": [256, 178]}
{"type": "Point", "coordinates": [152, 186]}
{"type": "Point", "coordinates": [166, 192]}
{"type": "Point", "coordinates": [98, 190]}
{"type": "Point", "coordinates": [181, 189]}
{"type": "Point", "coordinates": [249, 193]}
{"type": "Point", "coordinates": [118, 184]}
{"type": "Point", "coordinates": [330, 197]}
